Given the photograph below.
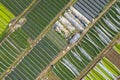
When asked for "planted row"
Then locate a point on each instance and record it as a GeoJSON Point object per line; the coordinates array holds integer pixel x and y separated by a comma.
{"type": "Point", "coordinates": [117, 47]}
{"type": "Point", "coordinates": [5, 17]}
{"type": "Point", "coordinates": [103, 70]}
{"type": "Point", "coordinates": [42, 15]}
{"type": "Point", "coordinates": [70, 22]}
{"type": "Point", "coordinates": [11, 48]}
{"type": "Point", "coordinates": [39, 57]}
{"type": "Point", "coordinates": [90, 9]}
{"type": "Point", "coordinates": [96, 39]}
{"type": "Point", "coordinates": [72, 64]}
{"type": "Point", "coordinates": [16, 6]}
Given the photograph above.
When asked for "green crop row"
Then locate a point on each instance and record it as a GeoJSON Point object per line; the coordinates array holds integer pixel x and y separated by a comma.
{"type": "Point", "coordinates": [96, 39]}
{"type": "Point", "coordinates": [5, 17]}
{"type": "Point", "coordinates": [39, 57]}
{"type": "Point", "coordinates": [11, 48]}
{"type": "Point", "coordinates": [42, 15]}
{"type": "Point", "coordinates": [103, 70]}
{"type": "Point", "coordinates": [117, 48]}
{"type": "Point", "coordinates": [16, 7]}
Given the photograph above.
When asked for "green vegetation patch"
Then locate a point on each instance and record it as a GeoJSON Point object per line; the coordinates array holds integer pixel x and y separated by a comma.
{"type": "Point", "coordinates": [11, 48]}
{"type": "Point", "coordinates": [5, 17]}
{"type": "Point", "coordinates": [117, 47]}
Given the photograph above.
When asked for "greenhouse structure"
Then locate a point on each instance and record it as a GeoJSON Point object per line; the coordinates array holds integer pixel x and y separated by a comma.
{"type": "Point", "coordinates": [59, 39]}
